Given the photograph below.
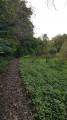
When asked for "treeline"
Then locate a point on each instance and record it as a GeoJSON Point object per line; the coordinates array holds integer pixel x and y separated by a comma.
{"type": "Point", "coordinates": [15, 26]}
{"type": "Point", "coordinates": [49, 48]}
{"type": "Point", "coordinates": [16, 33]}
{"type": "Point", "coordinates": [59, 43]}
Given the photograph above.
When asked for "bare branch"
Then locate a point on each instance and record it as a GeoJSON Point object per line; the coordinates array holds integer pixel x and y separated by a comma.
{"type": "Point", "coordinates": [51, 2]}
{"type": "Point", "coordinates": [48, 2]}
{"type": "Point", "coordinates": [54, 4]}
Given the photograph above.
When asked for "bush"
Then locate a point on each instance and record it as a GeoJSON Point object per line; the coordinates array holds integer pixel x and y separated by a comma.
{"type": "Point", "coordinates": [7, 47]}
{"type": "Point", "coordinates": [63, 53]}
{"type": "Point", "coordinates": [63, 50]}
{"type": "Point", "coordinates": [52, 51]}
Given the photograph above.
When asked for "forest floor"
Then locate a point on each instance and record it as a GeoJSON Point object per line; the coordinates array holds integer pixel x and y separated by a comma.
{"type": "Point", "coordinates": [14, 104]}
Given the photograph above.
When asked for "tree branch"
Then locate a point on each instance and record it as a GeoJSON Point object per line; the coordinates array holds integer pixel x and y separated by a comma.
{"type": "Point", "coordinates": [52, 3]}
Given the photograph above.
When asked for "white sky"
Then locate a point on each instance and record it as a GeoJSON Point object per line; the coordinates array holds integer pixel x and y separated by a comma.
{"type": "Point", "coordinates": [47, 19]}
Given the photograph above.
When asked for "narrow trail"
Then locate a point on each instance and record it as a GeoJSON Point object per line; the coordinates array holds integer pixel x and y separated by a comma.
{"type": "Point", "coordinates": [15, 103]}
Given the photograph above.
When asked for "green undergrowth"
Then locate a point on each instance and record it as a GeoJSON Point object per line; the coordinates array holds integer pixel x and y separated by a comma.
{"type": "Point", "coordinates": [4, 61]}
{"type": "Point", "coordinates": [47, 87]}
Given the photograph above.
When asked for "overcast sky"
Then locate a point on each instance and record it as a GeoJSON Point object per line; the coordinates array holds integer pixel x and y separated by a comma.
{"type": "Point", "coordinates": [47, 19]}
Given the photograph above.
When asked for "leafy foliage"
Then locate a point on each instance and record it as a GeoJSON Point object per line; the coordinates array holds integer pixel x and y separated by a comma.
{"type": "Point", "coordinates": [47, 88]}
{"type": "Point", "coordinates": [52, 51]}
{"type": "Point", "coordinates": [7, 47]}
{"type": "Point", "coordinates": [58, 41]}
{"type": "Point", "coordinates": [15, 25]}
{"type": "Point", "coordinates": [63, 50]}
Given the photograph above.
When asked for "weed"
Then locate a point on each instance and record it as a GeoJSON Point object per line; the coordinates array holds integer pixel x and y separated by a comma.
{"type": "Point", "coordinates": [47, 87]}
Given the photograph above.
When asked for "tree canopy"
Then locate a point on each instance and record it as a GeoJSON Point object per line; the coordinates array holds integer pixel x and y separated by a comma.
{"type": "Point", "coordinates": [15, 24]}
{"type": "Point", "coordinates": [16, 31]}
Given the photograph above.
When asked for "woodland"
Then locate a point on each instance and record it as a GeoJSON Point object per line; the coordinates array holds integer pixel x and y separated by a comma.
{"type": "Point", "coordinates": [42, 62]}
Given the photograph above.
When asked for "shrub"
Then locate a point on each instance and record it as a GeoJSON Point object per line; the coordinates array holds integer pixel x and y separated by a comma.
{"type": "Point", "coordinates": [52, 51]}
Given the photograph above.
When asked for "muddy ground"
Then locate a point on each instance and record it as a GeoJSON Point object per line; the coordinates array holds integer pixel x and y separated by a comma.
{"type": "Point", "coordinates": [13, 101]}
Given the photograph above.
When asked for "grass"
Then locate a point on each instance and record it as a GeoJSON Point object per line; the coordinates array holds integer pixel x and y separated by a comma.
{"type": "Point", "coordinates": [46, 84]}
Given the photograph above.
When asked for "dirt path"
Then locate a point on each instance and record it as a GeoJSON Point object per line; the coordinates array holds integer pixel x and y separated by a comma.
{"type": "Point", "coordinates": [15, 103]}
